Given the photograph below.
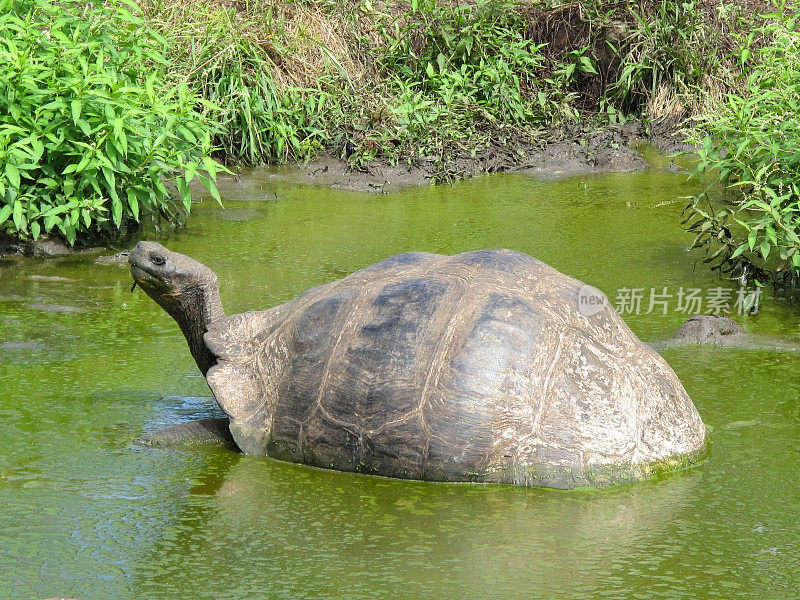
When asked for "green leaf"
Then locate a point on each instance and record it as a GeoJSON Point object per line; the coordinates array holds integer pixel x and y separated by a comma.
{"type": "Point", "coordinates": [190, 171]}
{"type": "Point", "coordinates": [588, 67]}
{"type": "Point", "coordinates": [116, 211]}
{"type": "Point", "coordinates": [211, 187]}
{"type": "Point", "coordinates": [51, 220]}
{"type": "Point", "coordinates": [38, 149]}
{"type": "Point", "coordinates": [751, 238]}
{"type": "Point", "coordinates": [76, 110]}
{"type": "Point", "coordinates": [85, 127]}
{"type": "Point", "coordinates": [5, 212]}
{"type": "Point", "coordinates": [111, 181]}
{"type": "Point", "coordinates": [18, 214]}
{"type": "Point", "coordinates": [187, 134]}
{"type": "Point", "coordinates": [771, 235]}
{"type": "Point", "coordinates": [542, 99]}
{"type": "Point", "coordinates": [13, 174]}
{"type": "Point", "coordinates": [123, 142]}
{"type": "Point", "coordinates": [133, 203]}
{"type": "Point", "coordinates": [69, 233]}
{"type": "Point", "coordinates": [212, 166]}
{"type": "Point", "coordinates": [739, 250]}
{"type": "Point", "coordinates": [185, 193]}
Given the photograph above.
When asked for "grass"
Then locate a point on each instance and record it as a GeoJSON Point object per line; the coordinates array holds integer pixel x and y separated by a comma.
{"type": "Point", "coordinates": [237, 59]}
{"type": "Point", "coordinates": [423, 78]}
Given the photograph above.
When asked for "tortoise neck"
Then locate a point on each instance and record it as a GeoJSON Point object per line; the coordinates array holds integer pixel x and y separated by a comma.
{"type": "Point", "coordinates": [194, 309]}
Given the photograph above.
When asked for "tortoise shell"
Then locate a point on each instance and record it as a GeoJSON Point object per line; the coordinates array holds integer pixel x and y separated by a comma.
{"type": "Point", "coordinates": [474, 367]}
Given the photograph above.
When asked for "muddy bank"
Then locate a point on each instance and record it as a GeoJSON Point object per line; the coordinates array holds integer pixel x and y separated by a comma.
{"type": "Point", "coordinates": [568, 151]}
{"type": "Point", "coordinates": [54, 247]}
{"type": "Point", "coordinates": [44, 247]}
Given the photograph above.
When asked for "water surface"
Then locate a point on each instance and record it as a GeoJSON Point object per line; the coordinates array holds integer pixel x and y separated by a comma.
{"type": "Point", "coordinates": [86, 367]}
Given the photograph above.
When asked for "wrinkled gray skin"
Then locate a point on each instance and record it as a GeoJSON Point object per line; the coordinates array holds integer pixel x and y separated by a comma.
{"type": "Point", "coordinates": [204, 432]}
{"type": "Point", "coordinates": [184, 288]}
{"type": "Point", "coordinates": [474, 367]}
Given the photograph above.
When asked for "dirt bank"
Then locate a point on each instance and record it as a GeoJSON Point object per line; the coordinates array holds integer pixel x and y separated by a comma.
{"type": "Point", "coordinates": [569, 151]}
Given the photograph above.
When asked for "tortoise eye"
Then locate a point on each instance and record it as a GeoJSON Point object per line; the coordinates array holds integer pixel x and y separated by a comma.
{"type": "Point", "coordinates": [157, 260]}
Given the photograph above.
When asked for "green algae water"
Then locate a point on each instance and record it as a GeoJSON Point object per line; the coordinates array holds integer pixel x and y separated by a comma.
{"type": "Point", "coordinates": [87, 367]}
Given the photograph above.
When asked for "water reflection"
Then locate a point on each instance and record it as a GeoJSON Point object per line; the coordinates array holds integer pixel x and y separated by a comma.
{"type": "Point", "coordinates": [311, 532]}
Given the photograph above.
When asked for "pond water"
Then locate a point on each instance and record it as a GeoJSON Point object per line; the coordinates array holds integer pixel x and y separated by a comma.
{"type": "Point", "coordinates": [86, 367]}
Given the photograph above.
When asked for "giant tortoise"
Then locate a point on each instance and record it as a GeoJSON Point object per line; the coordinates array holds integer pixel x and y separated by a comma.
{"type": "Point", "coordinates": [473, 367]}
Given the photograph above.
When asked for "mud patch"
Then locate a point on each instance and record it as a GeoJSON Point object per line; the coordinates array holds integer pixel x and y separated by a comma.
{"type": "Point", "coordinates": [569, 151]}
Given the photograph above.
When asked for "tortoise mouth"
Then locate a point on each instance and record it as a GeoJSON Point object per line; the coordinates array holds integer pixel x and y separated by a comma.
{"type": "Point", "coordinates": [146, 280]}
{"type": "Point", "coordinates": [141, 275]}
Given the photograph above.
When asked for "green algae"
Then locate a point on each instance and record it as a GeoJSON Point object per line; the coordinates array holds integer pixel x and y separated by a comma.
{"type": "Point", "coordinates": [107, 518]}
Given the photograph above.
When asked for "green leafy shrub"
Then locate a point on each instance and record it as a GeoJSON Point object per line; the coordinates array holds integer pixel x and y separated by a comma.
{"type": "Point", "coordinates": [89, 142]}
{"type": "Point", "coordinates": [466, 68]}
{"type": "Point", "coordinates": [748, 216]}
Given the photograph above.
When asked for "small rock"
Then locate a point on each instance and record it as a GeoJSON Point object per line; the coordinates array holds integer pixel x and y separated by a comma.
{"type": "Point", "coordinates": [633, 129]}
{"type": "Point", "coordinates": [119, 259]}
{"type": "Point", "coordinates": [619, 160]}
{"type": "Point", "coordinates": [708, 329]}
{"type": "Point", "coordinates": [9, 246]}
{"type": "Point", "coordinates": [47, 247]}
{"type": "Point", "coordinates": [676, 148]}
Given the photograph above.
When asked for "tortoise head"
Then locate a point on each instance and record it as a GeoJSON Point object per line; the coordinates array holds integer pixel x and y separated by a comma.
{"type": "Point", "coordinates": [183, 287]}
